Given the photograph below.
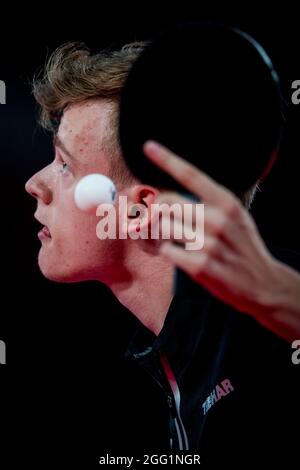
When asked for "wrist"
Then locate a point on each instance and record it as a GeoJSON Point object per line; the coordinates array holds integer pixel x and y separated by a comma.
{"type": "Point", "coordinates": [286, 288]}
{"type": "Point", "coordinates": [282, 306]}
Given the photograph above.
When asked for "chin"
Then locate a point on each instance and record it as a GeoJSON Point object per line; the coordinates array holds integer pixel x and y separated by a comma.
{"type": "Point", "coordinates": [55, 276]}
{"type": "Point", "coordinates": [61, 272]}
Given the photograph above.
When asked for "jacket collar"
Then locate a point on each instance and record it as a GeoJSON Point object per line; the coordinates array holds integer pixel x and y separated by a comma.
{"type": "Point", "coordinates": [178, 339]}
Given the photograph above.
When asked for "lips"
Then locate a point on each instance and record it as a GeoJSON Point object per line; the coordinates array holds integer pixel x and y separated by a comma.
{"type": "Point", "coordinates": [44, 234]}
{"type": "Point", "coordinates": [46, 231]}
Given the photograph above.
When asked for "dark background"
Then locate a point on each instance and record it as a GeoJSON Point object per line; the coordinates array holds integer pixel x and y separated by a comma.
{"type": "Point", "coordinates": [66, 392]}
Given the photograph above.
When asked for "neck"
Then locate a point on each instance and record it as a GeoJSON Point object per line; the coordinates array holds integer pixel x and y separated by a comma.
{"type": "Point", "coordinates": [144, 286]}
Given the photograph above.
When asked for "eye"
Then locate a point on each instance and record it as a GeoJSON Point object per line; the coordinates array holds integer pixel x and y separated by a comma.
{"type": "Point", "coordinates": [65, 168]}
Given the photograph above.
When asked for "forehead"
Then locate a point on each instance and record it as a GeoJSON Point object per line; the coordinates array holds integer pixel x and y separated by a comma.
{"type": "Point", "coordinates": [85, 123]}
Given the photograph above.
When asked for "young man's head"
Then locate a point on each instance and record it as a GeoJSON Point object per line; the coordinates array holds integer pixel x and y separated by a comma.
{"type": "Point", "coordinates": [79, 95]}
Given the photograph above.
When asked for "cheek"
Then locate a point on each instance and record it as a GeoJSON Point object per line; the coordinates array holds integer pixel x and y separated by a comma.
{"type": "Point", "coordinates": [78, 232]}
{"type": "Point", "coordinates": [73, 229]}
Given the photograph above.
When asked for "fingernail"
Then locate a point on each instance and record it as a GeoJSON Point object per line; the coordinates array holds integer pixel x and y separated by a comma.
{"type": "Point", "coordinates": [151, 145]}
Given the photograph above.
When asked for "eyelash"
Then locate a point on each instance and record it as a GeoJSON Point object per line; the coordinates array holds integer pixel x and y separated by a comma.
{"type": "Point", "coordinates": [64, 167]}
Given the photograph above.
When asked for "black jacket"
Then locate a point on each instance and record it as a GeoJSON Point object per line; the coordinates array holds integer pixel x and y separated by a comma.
{"type": "Point", "coordinates": [232, 390]}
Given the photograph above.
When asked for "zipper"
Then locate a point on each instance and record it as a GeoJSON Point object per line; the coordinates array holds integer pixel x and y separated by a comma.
{"type": "Point", "coordinates": [172, 400]}
{"type": "Point", "coordinates": [183, 442]}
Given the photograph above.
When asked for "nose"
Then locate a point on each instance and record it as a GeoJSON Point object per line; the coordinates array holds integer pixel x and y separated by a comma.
{"type": "Point", "coordinates": [38, 186]}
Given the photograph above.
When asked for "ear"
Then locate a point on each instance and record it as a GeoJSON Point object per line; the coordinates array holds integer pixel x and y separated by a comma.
{"type": "Point", "coordinates": [140, 200]}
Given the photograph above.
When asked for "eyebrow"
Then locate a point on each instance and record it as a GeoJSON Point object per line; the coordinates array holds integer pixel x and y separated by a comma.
{"type": "Point", "coordinates": [58, 143]}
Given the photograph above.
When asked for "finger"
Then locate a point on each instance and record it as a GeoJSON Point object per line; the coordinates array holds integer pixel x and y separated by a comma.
{"type": "Point", "coordinates": [182, 234]}
{"type": "Point", "coordinates": [170, 197]}
{"type": "Point", "coordinates": [207, 271]}
{"type": "Point", "coordinates": [213, 221]}
{"type": "Point", "coordinates": [193, 179]}
{"type": "Point", "coordinates": [190, 262]}
{"type": "Point", "coordinates": [174, 207]}
{"type": "Point", "coordinates": [220, 226]}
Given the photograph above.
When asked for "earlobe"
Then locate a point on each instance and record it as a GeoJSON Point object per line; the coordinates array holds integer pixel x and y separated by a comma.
{"type": "Point", "coordinates": [140, 203]}
{"type": "Point", "coordinates": [138, 215]}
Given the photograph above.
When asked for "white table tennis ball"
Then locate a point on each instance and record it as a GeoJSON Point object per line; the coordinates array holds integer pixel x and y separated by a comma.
{"type": "Point", "coordinates": [92, 190]}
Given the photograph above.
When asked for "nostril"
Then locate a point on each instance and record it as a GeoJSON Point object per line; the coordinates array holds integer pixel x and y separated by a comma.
{"type": "Point", "coordinates": [38, 188]}
{"type": "Point", "coordinates": [31, 188]}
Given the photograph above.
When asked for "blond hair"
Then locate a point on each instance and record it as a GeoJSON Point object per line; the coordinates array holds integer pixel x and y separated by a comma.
{"type": "Point", "coordinates": [72, 75]}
